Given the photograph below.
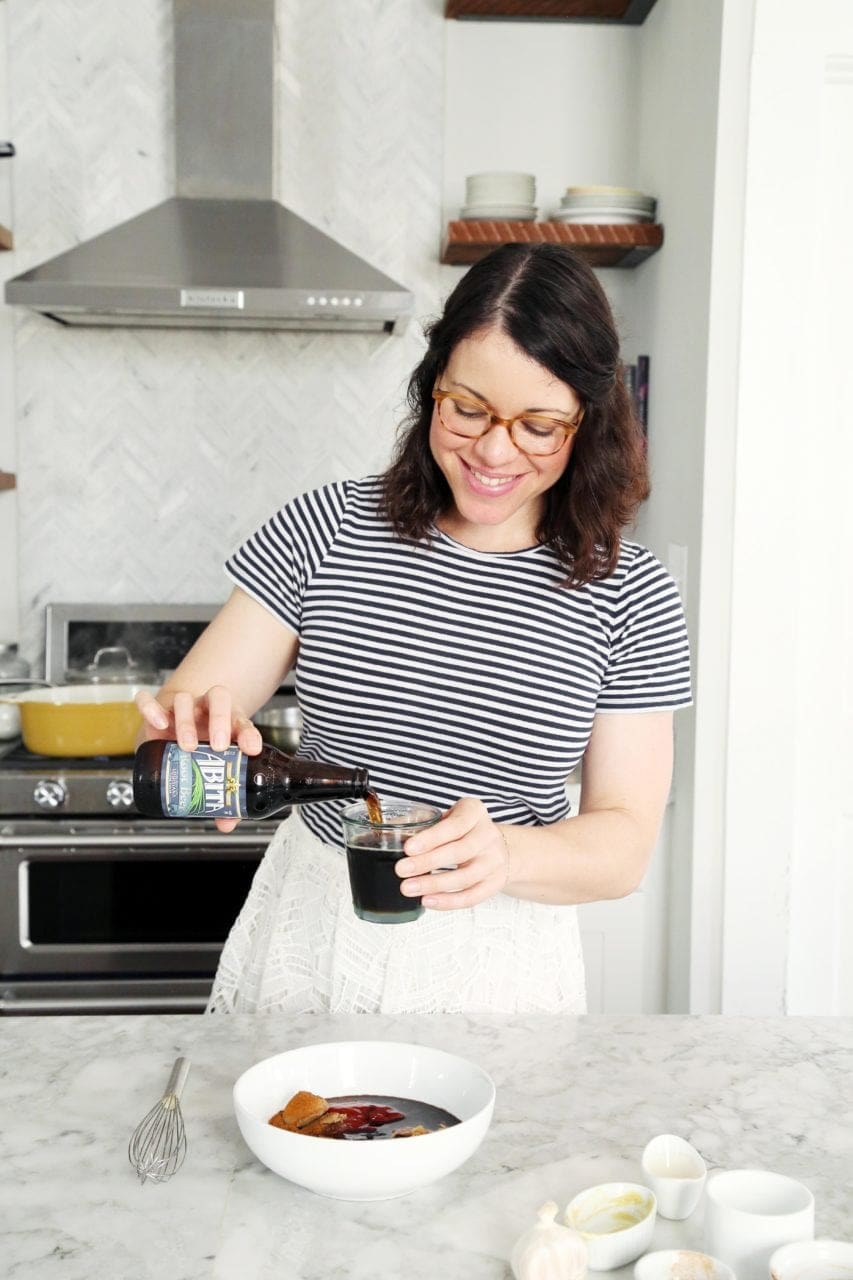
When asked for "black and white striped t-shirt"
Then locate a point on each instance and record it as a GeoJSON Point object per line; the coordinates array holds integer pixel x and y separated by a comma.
{"type": "Point", "coordinates": [450, 672]}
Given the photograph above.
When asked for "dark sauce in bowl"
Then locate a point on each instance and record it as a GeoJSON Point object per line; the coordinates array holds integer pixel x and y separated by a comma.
{"type": "Point", "coordinates": [379, 1116]}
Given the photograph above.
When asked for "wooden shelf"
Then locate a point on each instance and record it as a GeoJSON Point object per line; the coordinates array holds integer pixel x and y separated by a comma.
{"type": "Point", "coordinates": [613, 12]}
{"type": "Point", "coordinates": [5, 237]}
{"type": "Point", "coordinates": [601, 245]}
{"type": "Point", "coordinates": [7, 480]}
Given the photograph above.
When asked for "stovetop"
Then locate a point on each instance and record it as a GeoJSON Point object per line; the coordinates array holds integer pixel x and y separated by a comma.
{"type": "Point", "coordinates": [15, 757]}
{"type": "Point", "coordinates": [57, 786]}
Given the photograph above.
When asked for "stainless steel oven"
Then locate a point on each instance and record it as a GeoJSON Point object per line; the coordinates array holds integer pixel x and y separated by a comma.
{"type": "Point", "coordinates": [106, 916]}
{"type": "Point", "coordinates": [102, 910]}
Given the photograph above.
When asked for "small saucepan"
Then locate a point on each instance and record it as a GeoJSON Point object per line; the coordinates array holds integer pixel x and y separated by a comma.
{"type": "Point", "coordinates": [281, 725]}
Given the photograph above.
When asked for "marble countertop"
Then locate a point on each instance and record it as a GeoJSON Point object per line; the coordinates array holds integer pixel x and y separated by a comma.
{"type": "Point", "coordinates": [577, 1100]}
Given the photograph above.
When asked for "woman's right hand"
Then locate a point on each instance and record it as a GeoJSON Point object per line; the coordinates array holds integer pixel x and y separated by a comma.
{"type": "Point", "coordinates": [179, 716]}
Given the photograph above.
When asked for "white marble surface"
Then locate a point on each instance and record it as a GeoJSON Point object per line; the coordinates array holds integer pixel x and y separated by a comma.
{"type": "Point", "coordinates": [577, 1099]}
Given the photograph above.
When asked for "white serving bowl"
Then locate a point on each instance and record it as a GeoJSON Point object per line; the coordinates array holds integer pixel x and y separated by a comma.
{"type": "Point", "coordinates": [364, 1170]}
{"type": "Point", "coordinates": [681, 1264]}
{"type": "Point", "coordinates": [813, 1260]}
{"type": "Point", "coordinates": [616, 1219]}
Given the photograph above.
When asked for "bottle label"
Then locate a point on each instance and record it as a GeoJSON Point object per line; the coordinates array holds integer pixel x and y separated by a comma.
{"type": "Point", "coordinates": [203, 783]}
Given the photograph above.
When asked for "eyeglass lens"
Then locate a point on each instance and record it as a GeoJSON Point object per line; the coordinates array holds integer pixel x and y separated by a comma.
{"type": "Point", "coordinates": [532, 434]}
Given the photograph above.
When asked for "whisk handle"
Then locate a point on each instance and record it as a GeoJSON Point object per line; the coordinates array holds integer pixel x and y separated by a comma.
{"type": "Point", "coordinates": [178, 1078]}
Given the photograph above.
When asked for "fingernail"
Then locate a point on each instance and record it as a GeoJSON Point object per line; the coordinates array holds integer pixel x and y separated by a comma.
{"type": "Point", "coordinates": [161, 720]}
{"type": "Point", "coordinates": [409, 889]}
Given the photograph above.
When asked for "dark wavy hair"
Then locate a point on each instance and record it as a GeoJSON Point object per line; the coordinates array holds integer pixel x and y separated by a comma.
{"type": "Point", "coordinates": [547, 300]}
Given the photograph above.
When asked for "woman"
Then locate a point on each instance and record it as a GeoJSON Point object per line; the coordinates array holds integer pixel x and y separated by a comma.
{"type": "Point", "coordinates": [469, 625]}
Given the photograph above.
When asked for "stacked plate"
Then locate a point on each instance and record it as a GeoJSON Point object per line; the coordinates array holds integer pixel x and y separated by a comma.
{"type": "Point", "coordinates": [500, 195]}
{"type": "Point", "coordinates": [605, 204]}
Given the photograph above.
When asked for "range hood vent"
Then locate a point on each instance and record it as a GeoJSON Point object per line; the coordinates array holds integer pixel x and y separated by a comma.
{"type": "Point", "coordinates": [222, 253]}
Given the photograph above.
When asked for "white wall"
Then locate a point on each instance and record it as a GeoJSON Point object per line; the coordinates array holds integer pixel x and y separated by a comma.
{"type": "Point", "coordinates": [557, 100]}
{"type": "Point", "coordinates": [787, 902]}
{"type": "Point", "coordinates": [8, 458]}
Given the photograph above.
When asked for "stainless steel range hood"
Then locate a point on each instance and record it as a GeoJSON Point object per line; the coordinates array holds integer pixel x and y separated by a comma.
{"type": "Point", "coordinates": [221, 254]}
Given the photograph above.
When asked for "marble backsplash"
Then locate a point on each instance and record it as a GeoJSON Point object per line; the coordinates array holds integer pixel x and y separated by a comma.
{"type": "Point", "coordinates": [144, 456]}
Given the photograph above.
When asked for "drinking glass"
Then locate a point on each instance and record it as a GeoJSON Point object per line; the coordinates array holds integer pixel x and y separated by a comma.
{"type": "Point", "coordinates": [373, 851]}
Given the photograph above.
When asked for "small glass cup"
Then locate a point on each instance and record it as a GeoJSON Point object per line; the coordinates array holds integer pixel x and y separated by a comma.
{"type": "Point", "coordinates": [373, 851]}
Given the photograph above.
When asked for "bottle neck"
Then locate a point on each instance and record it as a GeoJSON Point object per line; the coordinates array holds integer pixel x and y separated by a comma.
{"type": "Point", "coordinates": [305, 780]}
{"type": "Point", "coordinates": [323, 787]}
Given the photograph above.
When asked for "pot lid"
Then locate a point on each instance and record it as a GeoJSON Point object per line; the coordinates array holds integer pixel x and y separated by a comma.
{"type": "Point", "coordinates": [112, 665]}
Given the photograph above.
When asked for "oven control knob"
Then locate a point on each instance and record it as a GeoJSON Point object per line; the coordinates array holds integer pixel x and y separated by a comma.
{"type": "Point", "coordinates": [120, 794]}
{"type": "Point", "coordinates": [49, 793]}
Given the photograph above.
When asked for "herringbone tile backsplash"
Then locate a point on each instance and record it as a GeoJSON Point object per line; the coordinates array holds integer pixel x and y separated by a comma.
{"type": "Point", "coordinates": [145, 455]}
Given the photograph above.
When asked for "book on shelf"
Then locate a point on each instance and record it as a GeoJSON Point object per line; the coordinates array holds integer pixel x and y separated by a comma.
{"type": "Point", "coordinates": [636, 377]}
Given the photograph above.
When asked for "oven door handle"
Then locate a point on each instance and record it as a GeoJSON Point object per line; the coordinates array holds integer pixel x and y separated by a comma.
{"type": "Point", "coordinates": [126, 840]}
{"type": "Point", "coordinates": [103, 1004]}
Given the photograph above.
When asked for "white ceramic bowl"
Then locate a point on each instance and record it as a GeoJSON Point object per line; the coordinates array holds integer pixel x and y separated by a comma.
{"type": "Point", "coordinates": [681, 1264]}
{"type": "Point", "coordinates": [364, 1170]}
{"type": "Point", "coordinates": [750, 1213]}
{"type": "Point", "coordinates": [616, 1219]}
{"type": "Point", "coordinates": [813, 1260]}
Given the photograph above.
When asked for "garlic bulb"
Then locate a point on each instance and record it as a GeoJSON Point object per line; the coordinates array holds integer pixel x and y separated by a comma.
{"type": "Point", "coordinates": [548, 1251]}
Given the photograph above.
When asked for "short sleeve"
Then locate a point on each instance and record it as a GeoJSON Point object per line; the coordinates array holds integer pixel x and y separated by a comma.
{"type": "Point", "coordinates": [649, 665]}
{"type": "Point", "coordinates": [276, 563]}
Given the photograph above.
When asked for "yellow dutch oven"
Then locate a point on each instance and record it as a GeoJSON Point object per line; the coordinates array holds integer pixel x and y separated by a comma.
{"type": "Point", "coordinates": [76, 720]}
{"type": "Point", "coordinates": [94, 716]}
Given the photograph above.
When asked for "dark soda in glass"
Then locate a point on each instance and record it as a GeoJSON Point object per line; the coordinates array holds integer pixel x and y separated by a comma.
{"type": "Point", "coordinates": [374, 849]}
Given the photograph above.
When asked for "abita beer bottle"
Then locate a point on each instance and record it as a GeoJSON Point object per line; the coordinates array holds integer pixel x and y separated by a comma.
{"type": "Point", "coordinates": [169, 782]}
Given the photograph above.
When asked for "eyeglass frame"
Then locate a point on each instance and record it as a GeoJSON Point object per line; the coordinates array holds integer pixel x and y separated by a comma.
{"type": "Point", "coordinates": [439, 395]}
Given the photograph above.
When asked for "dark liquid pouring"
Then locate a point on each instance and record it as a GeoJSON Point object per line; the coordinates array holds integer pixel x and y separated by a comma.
{"type": "Point", "coordinates": [378, 1116]}
{"type": "Point", "coordinates": [374, 807]}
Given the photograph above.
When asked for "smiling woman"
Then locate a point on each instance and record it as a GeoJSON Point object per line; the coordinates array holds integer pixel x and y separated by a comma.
{"type": "Point", "coordinates": [469, 625]}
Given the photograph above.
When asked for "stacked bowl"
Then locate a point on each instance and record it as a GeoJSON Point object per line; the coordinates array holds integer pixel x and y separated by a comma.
{"type": "Point", "coordinates": [500, 195]}
{"type": "Point", "coordinates": [605, 205]}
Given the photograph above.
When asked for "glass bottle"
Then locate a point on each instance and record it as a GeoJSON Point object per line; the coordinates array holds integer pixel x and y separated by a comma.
{"type": "Point", "coordinates": [169, 782]}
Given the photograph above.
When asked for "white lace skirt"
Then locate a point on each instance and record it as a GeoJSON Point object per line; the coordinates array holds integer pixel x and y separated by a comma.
{"type": "Point", "coordinates": [298, 947]}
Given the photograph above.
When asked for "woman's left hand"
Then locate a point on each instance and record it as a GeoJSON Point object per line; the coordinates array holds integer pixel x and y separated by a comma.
{"type": "Point", "coordinates": [465, 839]}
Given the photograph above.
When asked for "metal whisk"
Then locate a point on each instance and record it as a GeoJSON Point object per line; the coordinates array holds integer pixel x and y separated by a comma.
{"type": "Point", "coordinates": [159, 1142]}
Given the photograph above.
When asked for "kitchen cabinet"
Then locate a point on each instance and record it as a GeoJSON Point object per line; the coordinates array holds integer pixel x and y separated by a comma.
{"type": "Point", "coordinates": [623, 938]}
{"type": "Point", "coordinates": [577, 1100]}
{"type": "Point", "coordinates": [608, 11]}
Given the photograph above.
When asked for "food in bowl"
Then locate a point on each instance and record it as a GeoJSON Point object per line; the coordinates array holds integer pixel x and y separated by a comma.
{"type": "Point", "coordinates": [363, 1068]}
{"type": "Point", "coordinates": [358, 1117]}
{"type": "Point", "coordinates": [616, 1219]}
{"type": "Point", "coordinates": [681, 1264]}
